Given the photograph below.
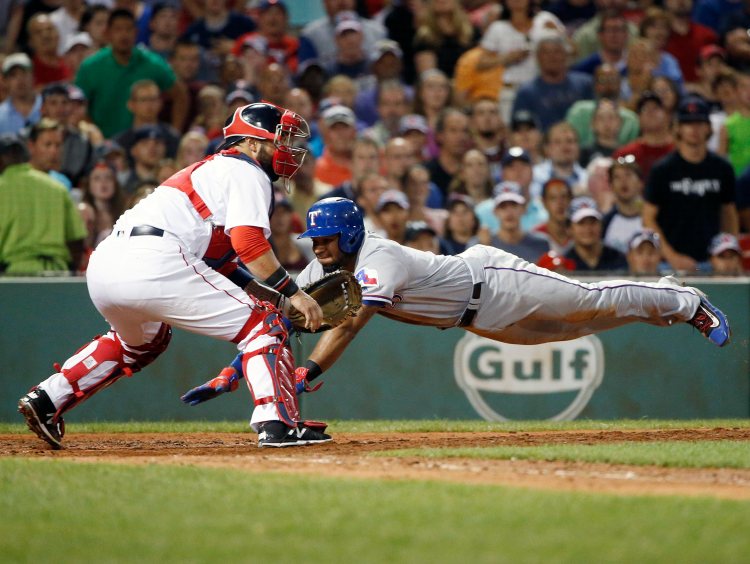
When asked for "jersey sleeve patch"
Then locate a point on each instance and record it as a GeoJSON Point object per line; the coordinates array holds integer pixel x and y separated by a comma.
{"type": "Point", "coordinates": [367, 278]}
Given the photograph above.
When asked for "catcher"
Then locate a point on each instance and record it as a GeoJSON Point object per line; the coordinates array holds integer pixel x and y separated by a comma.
{"type": "Point", "coordinates": [483, 290]}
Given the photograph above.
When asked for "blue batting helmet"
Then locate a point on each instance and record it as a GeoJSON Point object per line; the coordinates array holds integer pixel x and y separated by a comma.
{"type": "Point", "coordinates": [336, 216]}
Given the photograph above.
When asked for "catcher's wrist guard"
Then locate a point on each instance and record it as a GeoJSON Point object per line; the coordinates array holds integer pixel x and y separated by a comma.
{"type": "Point", "coordinates": [282, 283]}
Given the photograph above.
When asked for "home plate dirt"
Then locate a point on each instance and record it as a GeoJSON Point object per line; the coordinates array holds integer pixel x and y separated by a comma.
{"type": "Point", "coordinates": [349, 457]}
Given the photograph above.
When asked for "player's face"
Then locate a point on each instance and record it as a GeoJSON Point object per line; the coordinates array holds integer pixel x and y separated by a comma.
{"type": "Point", "coordinates": [327, 250]}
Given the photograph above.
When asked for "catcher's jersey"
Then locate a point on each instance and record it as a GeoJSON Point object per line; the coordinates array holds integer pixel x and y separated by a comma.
{"type": "Point", "coordinates": [234, 188]}
{"type": "Point", "coordinates": [410, 285]}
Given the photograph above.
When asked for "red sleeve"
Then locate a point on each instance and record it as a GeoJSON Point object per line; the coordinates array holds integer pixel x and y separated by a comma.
{"type": "Point", "coordinates": [249, 242]}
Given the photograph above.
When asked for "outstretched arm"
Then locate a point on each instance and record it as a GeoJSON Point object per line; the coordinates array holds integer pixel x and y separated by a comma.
{"type": "Point", "coordinates": [333, 343]}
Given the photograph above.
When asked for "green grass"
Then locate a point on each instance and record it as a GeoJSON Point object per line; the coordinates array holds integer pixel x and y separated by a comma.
{"type": "Point", "coordinates": [685, 454]}
{"type": "Point", "coordinates": [59, 511]}
{"type": "Point", "coordinates": [394, 426]}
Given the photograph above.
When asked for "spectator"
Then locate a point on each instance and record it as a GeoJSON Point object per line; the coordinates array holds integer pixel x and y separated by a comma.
{"type": "Point", "coordinates": [736, 39]}
{"type": "Point", "coordinates": [668, 91]}
{"type": "Point", "coordinates": [44, 142]}
{"type": "Point", "coordinates": [304, 190]}
{"type": "Point", "coordinates": [613, 42]}
{"type": "Point", "coordinates": [115, 156]}
{"type": "Point", "coordinates": [148, 149]}
{"type": "Point", "coordinates": [103, 202]}
{"type": "Point", "coordinates": [734, 136]}
{"type": "Point", "coordinates": [488, 132]}
{"type": "Point", "coordinates": [22, 107]}
{"type": "Point", "coordinates": [164, 28]}
{"type": "Point", "coordinates": [432, 97]}
{"type": "Point", "coordinates": [76, 49]}
{"type": "Point", "coordinates": [145, 104]}
{"type": "Point", "coordinates": [727, 100]}
{"type": "Point", "coordinates": [643, 60]}
{"type": "Point", "coordinates": [605, 124]}
{"type": "Point", "coordinates": [385, 71]}
{"type": "Point", "coordinates": [510, 207]}
{"type": "Point", "coordinates": [41, 228]}
{"type": "Point", "coordinates": [416, 186]}
{"type": "Point", "coordinates": [340, 89]}
{"type": "Point", "coordinates": [717, 13]}
{"type": "Point", "coordinates": [370, 187]}
{"type": "Point", "coordinates": [393, 213]}
{"type": "Point", "coordinates": [644, 254]}
{"type": "Point", "coordinates": [414, 128]}
{"type": "Point", "coordinates": [743, 200]}
{"type": "Point", "coordinates": [191, 149]}
{"type": "Point", "coordinates": [473, 179]}
{"type": "Point", "coordinates": [351, 58]}
{"type": "Point", "coordinates": [77, 152]}
{"type": "Point", "coordinates": [452, 135]}
{"type": "Point", "coordinates": [67, 19]}
{"type": "Point", "coordinates": [687, 37]}
{"type": "Point", "coordinates": [338, 131]}
{"type": "Point", "coordinates": [392, 105]}
{"type": "Point", "coordinates": [143, 190]}
{"type": "Point", "coordinates": [549, 95]}
{"type": "Point", "coordinates": [690, 193]}
{"type": "Point", "coordinates": [94, 22]}
{"type": "Point", "coordinates": [273, 27]}
{"type": "Point", "coordinates": [461, 225]}
{"type": "Point", "coordinates": [589, 253]}
{"type": "Point", "coordinates": [509, 43]}
{"type": "Point", "coordinates": [294, 254]}
{"type": "Point", "coordinates": [470, 83]}
{"type": "Point", "coordinates": [526, 132]}
{"type": "Point", "coordinates": [273, 84]}
{"type": "Point", "coordinates": [607, 83]}
{"type": "Point", "coordinates": [725, 255]}
{"type": "Point", "coordinates": [212, 112]}
{"type": "Point", "coordinates": [597, 184]}
{"type": "Point", "coordinates": [444, 34]}
{"type": "Point", "coordinates": [78, 117]}
{"type": "Point", "coordinates": [218, 27]}
{"type": "Point", "coordinates": [398, 156]}
{"type": "Point", "coordinates": [365, 160]}
{"type": "Point", "coordinates": [106, 77]}
{"type": "Point", "coordinates": [43, 41]}
{"type": "Point", "coordinates": [556, 198]}
{"type": "Point", "coordinates": [655, 27]}
{"type": "Point", "coordinates": [656, 134]}
{"type": "Point", "coordinates": [298, 100]}
{"type": "Point", "coordinates": [563, 153]}
{"type": "Point", "coordinates": [586, 37]}
{"type": "Point", "coordinates": [712, 63]}
{"type": "Point", "coordinates": [315, 39]}
{"type": "Point", "coordinates": [624, 219]}
{"type": "Point", "coordinates": [420, 236]}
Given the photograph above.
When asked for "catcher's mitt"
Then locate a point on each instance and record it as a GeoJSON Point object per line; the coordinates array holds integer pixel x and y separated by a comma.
{"type": "Point", "coordinates": [339, 296]}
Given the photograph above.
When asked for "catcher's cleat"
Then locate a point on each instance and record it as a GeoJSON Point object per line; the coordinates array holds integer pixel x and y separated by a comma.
{"type": "Point", "coordinates": [39, 412]}
{"type": "Point", "coordinates": [712, 322]}
{"type": "Point", "coordinates": [277, 434]}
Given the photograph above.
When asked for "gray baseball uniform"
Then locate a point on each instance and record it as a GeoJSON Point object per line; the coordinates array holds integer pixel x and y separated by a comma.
{"type": "Point", "coordinates": [498, 295]}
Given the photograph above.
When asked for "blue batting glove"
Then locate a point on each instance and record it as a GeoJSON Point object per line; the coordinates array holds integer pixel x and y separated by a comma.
{"type": "Point", "coordinates": [226, 381]}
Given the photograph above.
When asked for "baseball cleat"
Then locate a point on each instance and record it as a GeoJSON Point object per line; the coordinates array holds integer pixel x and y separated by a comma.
{"type": "Point", "coordinates": [277, 434]}
{"type": "Point", "coordinates": [39, 412]}
{"type": "Point", "coordinates": [712, 322]}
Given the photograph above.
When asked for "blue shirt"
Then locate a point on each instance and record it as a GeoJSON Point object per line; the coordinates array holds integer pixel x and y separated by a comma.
{"type": "Point", "coordinates": [550, 102]}
{"type": "Point", "coordinates": [534, 215]}
{"type": "Point", "coordinates": [11, 120]}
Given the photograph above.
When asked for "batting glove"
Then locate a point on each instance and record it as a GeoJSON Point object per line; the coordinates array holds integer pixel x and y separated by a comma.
{"type": "Point", "coordinates": [301, 383]}
{"type": "Point", "coordinates": [226, 381]}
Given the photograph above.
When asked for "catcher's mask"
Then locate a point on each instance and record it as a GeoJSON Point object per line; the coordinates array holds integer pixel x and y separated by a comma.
{"type": "Point", "coordinates": [266, 121]}
{"type": "Point", "coordinates": [332, 216]}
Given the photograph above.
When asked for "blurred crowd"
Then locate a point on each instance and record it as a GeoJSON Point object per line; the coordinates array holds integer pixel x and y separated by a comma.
{"type": "Point", "coordinates": [582, 135]}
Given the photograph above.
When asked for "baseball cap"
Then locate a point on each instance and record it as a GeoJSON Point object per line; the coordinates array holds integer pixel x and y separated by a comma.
{"type": "Point", "coordinates": [240, 90]}
{"type": "Point", "coordinates": [107, 148]}
{"type": "Point", "coordinates": [265, 4]}
{"type": "Point", "coordinates": [415, 228]}
{"type": "Point", "coordinates": [648, 96]}
{"type": "Point", "coordinates": [693, 110]}
{"type": "Point", "coordinates": [723, 242]}
{"type": "Point", "coordinates": [56, 88]}
{"type": "Point", "coordinates": [347, 21]}
{"type": "Point", "coordinates": [455, 198]}
{"type": "Point", "coordinates": [515, 154]}
{"type": "Point", "coordinates": [583, 207]}
{"type": "Point", "coordinates": [524, 118]}
{"type": "Point", "coordinates": [148, 132]}
{"type": "Point", "coordinates": [16, 60]}
{"type": "Point", "coordinates": [644, 236]}
{"type": "Point", "coordinates": [709, 51]}
{"type": "Point", "coordinates": [385, 46]}
{"type": "Point", "coordinates": [508, 191]}
{"type": "Point", "coordinates": [339, 114]}
{"type": "Point", "coordinates": [80, 38]}
{"type": "Point", "coordinates": [257, 43]}
{"type": "Point", "coordinates": [413, 122]}
{"type": "Point", "coordinates": [76, 94]}
{"type": "Point", "coordinates": [392, 196]}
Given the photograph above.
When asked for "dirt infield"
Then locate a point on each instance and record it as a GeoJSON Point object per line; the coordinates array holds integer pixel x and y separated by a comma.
{"type": "Point", "coordinates": [347, 457]}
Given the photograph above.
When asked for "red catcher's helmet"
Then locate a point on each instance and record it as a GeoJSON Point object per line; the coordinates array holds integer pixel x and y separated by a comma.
{"type": "Point", "coordinates": [272, 123]}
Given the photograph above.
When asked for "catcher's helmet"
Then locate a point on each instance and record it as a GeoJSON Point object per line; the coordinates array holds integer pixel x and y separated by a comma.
{"type": "Point", "coordinates": [332, 216]}
{"type": "Point", "coordinates": [266, 121]}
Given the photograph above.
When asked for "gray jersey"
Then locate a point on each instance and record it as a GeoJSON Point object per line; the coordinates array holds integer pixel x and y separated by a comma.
{"type": "Point", "coordinates": [410, 285]}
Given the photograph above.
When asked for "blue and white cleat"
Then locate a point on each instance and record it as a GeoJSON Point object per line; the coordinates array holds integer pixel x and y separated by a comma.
{"type": "Point", "coordinates": [712, 322]}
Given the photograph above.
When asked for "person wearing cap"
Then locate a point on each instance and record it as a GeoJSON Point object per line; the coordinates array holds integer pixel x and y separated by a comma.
{"type": "Point", "coordinates": [556, 197]}
{"type": "Point", "coordinates": [42, 230]}
{"type": "Point", "coordinates": [67, 20]}
{"type": "Point", "coordinates": [624, 219]}
{"type": "Point", "coordinates": [556, 88]}
{"type": "Point", "coordinates": [725, 255]}
{"type": "Point", "coordinates": [107, 85]}
{"type": "Point", "coordinates": [510, 206]}
{"type": "Point", "coordinates": [384, 70]}
{"type": "Point", "coordinates": [526, 132]}
{"type": "Point", "coordinates": [351, 58]}
{"type": "Point", "coordinates": [414, 128]}
{"type": "Point", "coordinates": [421, 236]}
{"type": "Point", "coordinates": [644, 253]}
{"type": "Point", "coordinates": [145, 103]}
{"type": "Point", "coordinates": [76, 49]}
{"type": "Point", "coordinates": [339, 132]}
{"type": "Point", "coordinates": [22, 106]}
{"type": "Point", "coordinates": [392, 212]}
{"type": "Point", "coordinates": [77, 151]}
{"type": "Point", "coordinates": [687, 37]}
{"type": "Point", "coordinates": [563, 153]}
{"type": "Point", "coordinates": [734, 134]}
{"type": "Point", "coordinates": [712, 62]}
{"type": "Point", "coordinates": [273, 27]}
{"type": "Point", "coordinates": [589, 253]}
{"type": "Point", "coordinates": [44, 39]}
{"type": "Point", "coordinates": [690, 194]}
{"type": "Point", "coordinates": [392, 105]}
{"type": "Point", "coordinates": [488, 132]}
{"type": "Point", "coordinates": [146, 152]}
{"type": "Point", "coordinates": [656, 139]}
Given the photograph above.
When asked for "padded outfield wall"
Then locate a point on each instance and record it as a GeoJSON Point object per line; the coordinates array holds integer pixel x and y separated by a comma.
{"type": "Point", "coordinates": [397, 371]}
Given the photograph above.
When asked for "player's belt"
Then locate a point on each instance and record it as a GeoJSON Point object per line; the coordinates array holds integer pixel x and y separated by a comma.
{"type": "Point", "coordinates": [471, 311]}
{"type": "Point", "coordinates": [140, 230]}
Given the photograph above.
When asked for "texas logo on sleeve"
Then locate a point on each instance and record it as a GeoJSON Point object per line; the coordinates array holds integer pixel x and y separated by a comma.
{"type": "Point", "coordinates": [367, 277]}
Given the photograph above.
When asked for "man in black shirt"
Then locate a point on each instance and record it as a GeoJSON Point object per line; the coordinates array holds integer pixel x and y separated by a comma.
{"type": "Point", "coordinates": [589, 253]}
{"type": "Point", "coordinates": [690, 192]}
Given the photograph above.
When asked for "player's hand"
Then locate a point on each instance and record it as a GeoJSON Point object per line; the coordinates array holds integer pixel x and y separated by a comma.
{"type": "Point", "coordinates": [309, 308]}
{"type": "Point", "coordinates": [227, 381]}
{"type": "Point", "coordinates": [301, 383]}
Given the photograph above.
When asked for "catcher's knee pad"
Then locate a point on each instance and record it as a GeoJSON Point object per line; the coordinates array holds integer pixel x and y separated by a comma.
{"type": "Point", "coordinates": [141, 356]}
{"type": "Point", "coordinates": [269, 370]}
